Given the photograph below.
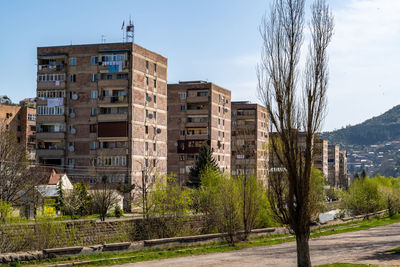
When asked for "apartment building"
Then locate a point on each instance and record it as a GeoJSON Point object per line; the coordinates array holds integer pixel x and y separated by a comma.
{"type": "Point", "coordinates": [321, 156]}
{"type": "Point", "coordinates": [333, 165]}
{"type": "Point", "coordinates": [249, 139]}
{"type": "Point", "coordinates": [343, 177]}
{"type": "Point", "coordinates": [20, 120]}
{"type": "Point", "coordinates": [102, 112]}
{"type": "Point", "coordinates": [198, 112]}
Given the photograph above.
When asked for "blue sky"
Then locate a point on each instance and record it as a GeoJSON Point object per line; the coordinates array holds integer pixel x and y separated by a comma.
{"type": "Point", "coordinates": [216, 41]}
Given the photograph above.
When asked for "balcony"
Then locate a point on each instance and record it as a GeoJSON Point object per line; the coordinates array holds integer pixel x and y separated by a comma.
{"type": "Point", "coordinates": [51, 68]}
{"type": "Point", "coordinates": [44, 153]}
{"type": "Point", "coordinates": [116, 83]}
{"type": "Point", "coordinates": [113, 100]}
{"type": "Point", "coordinates": [50, 135]}
{"type": "Point", "coordinates": [50, 118]}
{"type": "Point", "coordinates": [51, 85]}
{"type": "Point", "coordinates": [197, 111]}
{"type": "Point", "coordinates": [197, 99]}
{"type": "Point", "coordinates": [112, 117]}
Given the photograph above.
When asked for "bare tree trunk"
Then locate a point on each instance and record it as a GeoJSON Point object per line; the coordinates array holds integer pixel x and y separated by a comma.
{"type": "Point", "coordinates": [303, 250]}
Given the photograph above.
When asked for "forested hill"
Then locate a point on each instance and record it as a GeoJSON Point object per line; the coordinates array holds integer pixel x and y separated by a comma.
{"type": "Point", "coordinates": [379, 129]}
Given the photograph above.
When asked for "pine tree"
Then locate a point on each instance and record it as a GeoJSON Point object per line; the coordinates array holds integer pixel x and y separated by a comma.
{"type": "Point", "coordinates": [204, 160]}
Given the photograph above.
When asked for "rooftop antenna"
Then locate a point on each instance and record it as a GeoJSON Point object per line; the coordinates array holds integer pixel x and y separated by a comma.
{"type": "Point", "coordinates": [123, 31]}
{"type": "Point", "coordinates": [103, 39]}
{"type": "Point", "coordinates": [130, 32]}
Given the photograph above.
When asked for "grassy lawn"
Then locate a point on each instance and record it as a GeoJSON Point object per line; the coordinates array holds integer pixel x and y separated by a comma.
{"type": "Point", "coordinates": [180, 251]}
{"type": "Point", "coordinates": [345, 265]}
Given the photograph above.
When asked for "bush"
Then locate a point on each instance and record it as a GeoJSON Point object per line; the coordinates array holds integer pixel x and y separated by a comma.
{"type": "Point", "coordinates": [118, 212]}
{"type": "Point", "coordinates": [5, 211]}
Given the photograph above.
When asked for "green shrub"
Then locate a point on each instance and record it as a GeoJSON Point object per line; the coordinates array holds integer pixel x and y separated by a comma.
{"type": "Point", "coordinates": [118, 212]}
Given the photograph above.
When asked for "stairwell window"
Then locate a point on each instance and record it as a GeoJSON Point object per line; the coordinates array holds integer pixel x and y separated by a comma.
{"type": "Point", "coordinates": [95, 60]}
{"type": "Point", "coordinates": [155, 83]}
{"type": "Point", "coordinates": [72, 61]}
{"type": "Point", "coordinates": [155, 67]}
{"type": "Point", "coordinates": [72, 78]}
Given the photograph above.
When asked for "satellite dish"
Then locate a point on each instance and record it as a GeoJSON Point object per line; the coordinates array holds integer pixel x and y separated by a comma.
{"type": "Point", "coordinates": [74, 96]}
{"type": "Point", "coordinates": [71, 148]}
{"type": "Point", "coordinates": [150, 116]}
{"type": "Point", "coordinates": [158, 130]}
{"type": "Point", "coordinates": [72, 115]}
{"type": "Point", "coordinates": [148, 99]}
{"type": "Point", "coordinates": [73, 131]}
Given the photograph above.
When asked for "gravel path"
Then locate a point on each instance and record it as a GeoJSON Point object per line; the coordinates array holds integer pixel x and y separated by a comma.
{"type": "Point", "coordinates": [366, 246]}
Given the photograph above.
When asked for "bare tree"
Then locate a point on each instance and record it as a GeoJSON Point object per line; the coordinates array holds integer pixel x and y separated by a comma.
{"type": "Point", "coordinates": [18, 177]}
{"type": "Point", "coordinates": [278, 81]}
{"type": "Point", "coordinates": [103, 197]}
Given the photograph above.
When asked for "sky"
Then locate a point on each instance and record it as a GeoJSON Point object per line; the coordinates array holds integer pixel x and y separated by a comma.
{"type": "Point", "coordinates": [212, 40]}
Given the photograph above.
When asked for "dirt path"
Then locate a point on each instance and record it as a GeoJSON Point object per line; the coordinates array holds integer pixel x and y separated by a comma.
{"type": "Point", "coordinates": [366, 246]}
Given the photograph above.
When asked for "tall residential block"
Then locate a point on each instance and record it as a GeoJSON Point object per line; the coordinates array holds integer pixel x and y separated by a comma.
{"type": "Point", "coordinates": [249, 139]}
{"type": "Point", "coordinates": [333, 165]}
{"type": "Point", "coordinates": [20, 120]}
{"type": "Point", "coordinates": [321, 156]}
{"type": "Point", "coordinates": [198, 112]}
{"type": "Point", "coordinates": [343, 177]}
{"type": "Point", "coordinates": [102, 112]}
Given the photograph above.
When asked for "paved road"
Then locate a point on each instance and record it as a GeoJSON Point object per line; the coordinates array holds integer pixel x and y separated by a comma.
{"type": "Point", "coordinates": [367, 246]}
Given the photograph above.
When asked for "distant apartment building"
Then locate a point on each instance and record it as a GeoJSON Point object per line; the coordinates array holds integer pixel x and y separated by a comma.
{"type": "Point", "coordinates": [343, 176]}
{"type": "Point", "coordinates": [20, 120]}
{"type": "Point", "coordinates": [333, 165]}
{"type": "Point", "coordinates": [102, 112]}
{"type": "Point", "coordinates": [5, 100]}
{"type": "Point", "coordinates": [198, 112]}
{"type": "Point", "coordinates": [249, 139]}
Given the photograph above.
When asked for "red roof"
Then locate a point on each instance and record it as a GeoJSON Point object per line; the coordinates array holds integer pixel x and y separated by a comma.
{"type": "Point", "coordinates": [55, 177]}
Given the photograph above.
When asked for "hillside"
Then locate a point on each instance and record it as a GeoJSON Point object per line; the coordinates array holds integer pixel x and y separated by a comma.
{"type": "Point", "coordinates": [379, 129]}
{"type": "Point", "coordinates": [373, 145]}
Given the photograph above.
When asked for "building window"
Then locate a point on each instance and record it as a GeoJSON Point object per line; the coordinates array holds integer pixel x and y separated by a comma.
{"type": "Point", "coordinates": [154, 147]}
{"type": "Point", "coordinates": [94, 94]}
{"type": "Point", "coordinates": [94, 77]}
{"type": "Point", "coordinates": [72, 61]}
{"type": "Point", "coordinates": [183, 107]}
{"type": "Point", "coordinates": [95, 60]}
{"type": "Point", "coordinates": [146, 162]}
{"type": "Point", "coordinates": [146, 129]}
{"type": "Point", "coordinates": [155, 115]}
{"type": "Point", "coordinates": [93, 145]}
{"type": "Point", "coordinates": [154, 163]}
{"type": "Point", "coordinates": [93, 112]}
{"type": "Point", "coordinates": [154, 130]}
{"type": "Point", "coordinates": [146, 146]}
{"type": "Point", "coordinates": [18, 128]}
{"type": "Point", "coordinates": [147, 80]}
{"type": "Point", "coordinates": [182, 95]}
{"type": "Point", "coordinates": [155, 83]}
{"type": "Point", "coordinates": [147, 64]}
{"type": "Point", "coordinates": [182, 170]}
{"type": "Point", "coordinates": [93, 128]}
{"type": "Point", "coordinates": [72, 78]}
{"type": "Point", "coordinates": [18, 139]}
{"type": "Point", "coordinates": [155, 99]}
{"type": "Point", "coordinates": [182, 132]}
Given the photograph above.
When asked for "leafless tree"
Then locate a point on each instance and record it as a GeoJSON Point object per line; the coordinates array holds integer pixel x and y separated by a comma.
{"type": "Point", "coordinates": [18, 177]}
{"type": "Point", "coordinates": [279, 78]}
{"type": "Point", "coordinates": [103, 197]}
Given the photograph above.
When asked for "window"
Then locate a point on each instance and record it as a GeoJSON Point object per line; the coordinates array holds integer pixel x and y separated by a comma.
{"type": "Point", "coordinates": [95, 60]}
{"type": "Point", "coordinates": [154, 162]}
{"type": "Point", "coordinates": [155, 115]}
{"type": "Point", "coordinates": [155, 83]}
{"type": "Point", "coordinates": [146, 129]}
{"type": "Point", "coordinates": [181, 157]}
{"type": "Point", "coordinates": [51, 77]}
{"type": "Point", "coordinates": [93, 128]}
{"type": "Point", "coordinates": [94, 94]}
{"type": "Point", "coordinates": [182, 132]}
{"type": "Point", "coordinates": [44, 110]}
{"type": "Point", "coordinates": [182, 95]}
{"type": "Point", "coordinates": [93, 112]}
{"type": "Point", "coordinates": [154, 130]}
{"type": "Point", "coordinates": [154, 147]}
{"type": "Point", "coordinates": [72, 78]}
{"type": "Point", "coordinates": [182, 170]}
{"type": "Point", "coordinates": [147, 80]}
{"type": "Point", "coordinates": [71, 163]}
{"type": "Point", "coordinates": [19, 117]}
{"type": "Point", "coordinates": [146, 162]}
{"type": "Point", "coordinates": [31, 117]}
{"type": "Point", "coordinates": [155, 99]}
{"type": "Point", "coordinates": [72, 61]}
{"type": "Point", "coordinates": [93, 145]}
{"type": "Point", "coordinates": [146, 146]}
{"type": "Point", "coordinates": [18, 128]}
{"type": "Point", "coordinates": [183, 107]}
{"type": "Point", "coordinates": [155, 67]}
{"type": "Point", "coordinates": [147, 64]}
{"type": "Point", "coordinates": [94, 77]}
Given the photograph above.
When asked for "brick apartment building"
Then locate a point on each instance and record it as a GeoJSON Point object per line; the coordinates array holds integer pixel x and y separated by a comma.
{"type": "Point", "coordinates": [198, 112]}
{"type": "Point", "coordinates": [102, 111]}
{"type": "Point", "coordinates": [21, 120]}
{"type": "Point", "coordinates": [333, 165]}
{"type": "Point", "coordinates": [249, 139]}
{"type": "Point", "coordinates": [343, 177]}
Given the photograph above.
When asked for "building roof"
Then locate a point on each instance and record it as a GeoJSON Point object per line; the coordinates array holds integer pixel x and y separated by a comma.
{"type": "Point", "coordinates": [55, 177]}
{"type": "Point", "coordinates": [47, 190]}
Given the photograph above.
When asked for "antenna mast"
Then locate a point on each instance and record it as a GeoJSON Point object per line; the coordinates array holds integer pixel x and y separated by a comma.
{"type": "Point", "coordinates": [130, 32]}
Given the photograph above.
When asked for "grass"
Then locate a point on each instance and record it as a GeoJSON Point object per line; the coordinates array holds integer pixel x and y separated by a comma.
{"type": "Point", "coordinates": [394, 251]}
{"type": "Point", "coordinates": [339, 264]}
{"type": "Point", "coordinates": [180, 251]}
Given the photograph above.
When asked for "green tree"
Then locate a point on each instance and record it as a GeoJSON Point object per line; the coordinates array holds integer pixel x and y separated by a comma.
{"type": "Point", "coordinates": [204, 160]}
